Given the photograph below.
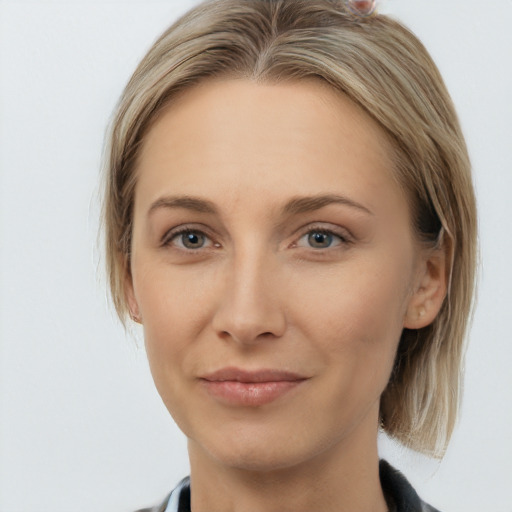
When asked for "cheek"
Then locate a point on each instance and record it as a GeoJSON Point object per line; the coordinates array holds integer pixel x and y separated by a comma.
{"type": "Point", "coordinates": [169, 296]}
{"type": "Point", "coordinates": [369, 297]}
{"type": "Point", "coordinates": [170, 310]}
{"type": "Point", "coordinates": [175, 305]}
{"type": "Point", "coordinates": [355, 313]}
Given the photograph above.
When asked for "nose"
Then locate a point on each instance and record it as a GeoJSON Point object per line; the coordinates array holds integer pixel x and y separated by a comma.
{"type": "Point", "coordinates": [250, 308]}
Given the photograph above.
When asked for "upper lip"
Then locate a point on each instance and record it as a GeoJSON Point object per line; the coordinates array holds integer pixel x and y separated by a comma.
{"type": "Point", "coordinates": [240, 375]}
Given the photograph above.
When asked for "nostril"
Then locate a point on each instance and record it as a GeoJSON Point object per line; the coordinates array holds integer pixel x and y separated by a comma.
{"type": "Point", "coordinates": [248, 335]}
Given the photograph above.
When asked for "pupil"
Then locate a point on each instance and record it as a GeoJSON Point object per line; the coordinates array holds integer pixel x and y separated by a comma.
{"type": "Point", "coordinates": [320, 239]}
{"type": "Point", "coordinates": [192, 240]}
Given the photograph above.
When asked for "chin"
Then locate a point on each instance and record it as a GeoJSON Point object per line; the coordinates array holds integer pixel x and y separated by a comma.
{"type": "Point", "coordinates": [260, 459]}
{"type": "Point", "coordinates": [262, 450]}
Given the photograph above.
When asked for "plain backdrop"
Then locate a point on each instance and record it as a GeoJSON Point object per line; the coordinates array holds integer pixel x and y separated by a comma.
{"type": "Point", "coordinates": [81, 426]}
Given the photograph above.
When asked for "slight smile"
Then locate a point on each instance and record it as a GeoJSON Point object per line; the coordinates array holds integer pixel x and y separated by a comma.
{"type": "Point", "coordinates": [237, 387]}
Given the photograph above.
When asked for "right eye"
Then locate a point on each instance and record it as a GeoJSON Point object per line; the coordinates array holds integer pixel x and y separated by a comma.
{"type": "Point", "coordinates": [189, 240]}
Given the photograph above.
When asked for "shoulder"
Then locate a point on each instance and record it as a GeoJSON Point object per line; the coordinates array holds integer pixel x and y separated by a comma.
{"type": "Point", "coordinates": [399, 493]}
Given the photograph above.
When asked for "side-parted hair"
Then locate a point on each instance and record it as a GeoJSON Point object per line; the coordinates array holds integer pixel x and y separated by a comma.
{"type": "Point", "coordinates": [382, 67]}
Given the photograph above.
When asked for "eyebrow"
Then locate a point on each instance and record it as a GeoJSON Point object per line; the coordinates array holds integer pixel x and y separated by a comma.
{"type": "Point", "coordinates": [187, 202]}
{"type": "Point", "coordinates": [295, 206]}
{"type": "Point", "coordinates": [311, 203]}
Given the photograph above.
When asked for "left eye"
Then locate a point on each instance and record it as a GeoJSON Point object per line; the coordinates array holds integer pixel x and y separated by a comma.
{"type": "Point", "coordinates": [190, 239]}
{"type": "Point", "coordinates": [319, 239]}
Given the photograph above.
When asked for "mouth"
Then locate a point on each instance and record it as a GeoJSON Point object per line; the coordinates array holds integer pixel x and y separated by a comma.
{"type": "Point", "coordinates": [237, 387]}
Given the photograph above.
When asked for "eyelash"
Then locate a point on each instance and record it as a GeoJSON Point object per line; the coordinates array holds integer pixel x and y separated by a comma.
{"type": "Point", "coordinates": [179, 232]}
{"type": "Point", "coordinates": [170, 236]}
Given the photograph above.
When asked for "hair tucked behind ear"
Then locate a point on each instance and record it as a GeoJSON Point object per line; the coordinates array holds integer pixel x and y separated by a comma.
{"type": "Point", "coordinates": [383, 68]}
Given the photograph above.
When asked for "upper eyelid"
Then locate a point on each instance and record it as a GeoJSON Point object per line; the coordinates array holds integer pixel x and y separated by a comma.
{"type": "Point", "coordinates": [325, 227]}
{"type": "Point", "coordinates": [181, 228]}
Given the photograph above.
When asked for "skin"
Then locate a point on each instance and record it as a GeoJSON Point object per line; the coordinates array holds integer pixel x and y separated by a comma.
{"type": "Point", "coordinates": [322, 292]}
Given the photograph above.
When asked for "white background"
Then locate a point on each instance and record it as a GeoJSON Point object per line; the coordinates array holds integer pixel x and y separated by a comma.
{"type": "Point", "coordinates": [81, 427]}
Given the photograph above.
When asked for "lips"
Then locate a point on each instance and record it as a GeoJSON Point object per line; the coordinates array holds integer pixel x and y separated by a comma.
{"type": "Point", "coordinates": [237, 387]}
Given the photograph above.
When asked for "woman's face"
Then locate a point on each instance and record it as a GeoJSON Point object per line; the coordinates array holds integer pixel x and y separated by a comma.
{"type": "Point", "coordinates": [273, 269]}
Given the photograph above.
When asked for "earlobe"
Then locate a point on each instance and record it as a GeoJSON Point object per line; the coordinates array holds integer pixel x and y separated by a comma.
{"type": "Point", "coordinates": [430, 290]}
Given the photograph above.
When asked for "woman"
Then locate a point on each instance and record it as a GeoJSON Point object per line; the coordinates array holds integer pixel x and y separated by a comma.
{"type": "Point", "coordinates": [289, 214]}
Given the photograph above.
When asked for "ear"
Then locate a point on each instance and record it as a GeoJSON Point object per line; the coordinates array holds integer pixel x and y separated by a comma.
{"type": "Point", "coordinates": [131, 301]}
{"type": "Point", "coordinates": [431, 286]}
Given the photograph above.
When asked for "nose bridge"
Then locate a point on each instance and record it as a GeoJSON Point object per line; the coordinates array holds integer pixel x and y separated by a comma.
{"type": "Point", "coordinates": [250, 306]}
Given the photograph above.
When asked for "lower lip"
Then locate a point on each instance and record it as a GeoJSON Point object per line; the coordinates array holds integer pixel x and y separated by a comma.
{"type": "Point", "coordinates": [249, 394]}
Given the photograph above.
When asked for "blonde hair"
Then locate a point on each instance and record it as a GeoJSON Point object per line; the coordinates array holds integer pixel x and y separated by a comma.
{"type": "Point", "coordinates": [384, 69]}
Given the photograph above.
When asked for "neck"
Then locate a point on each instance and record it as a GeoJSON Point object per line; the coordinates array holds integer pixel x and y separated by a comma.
{"type": "Point", "coordinates": [343, 478]}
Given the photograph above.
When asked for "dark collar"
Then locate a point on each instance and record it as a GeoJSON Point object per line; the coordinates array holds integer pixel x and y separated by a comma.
{"type": "Point", "coordinates": [399, 493]}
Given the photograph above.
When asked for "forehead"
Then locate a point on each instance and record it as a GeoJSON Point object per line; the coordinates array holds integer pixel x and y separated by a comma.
{"type": "Point", "coordinates": [234, 138]}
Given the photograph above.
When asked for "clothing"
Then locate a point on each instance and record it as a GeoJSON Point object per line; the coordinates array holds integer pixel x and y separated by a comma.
{"type": "Point", "coordinates": [399, 493]}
